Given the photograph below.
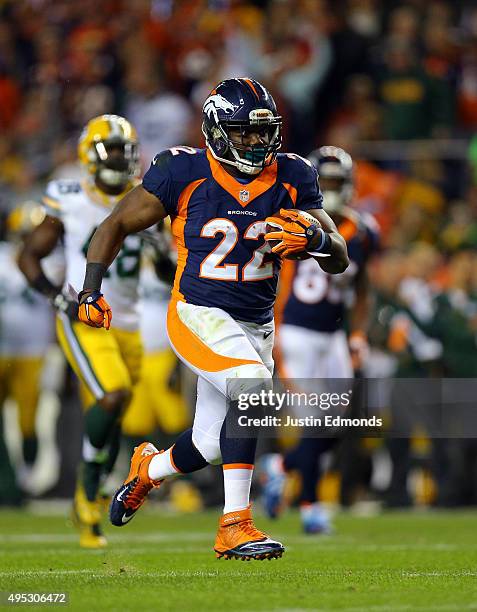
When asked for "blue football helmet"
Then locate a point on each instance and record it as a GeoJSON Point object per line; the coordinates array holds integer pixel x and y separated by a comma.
{"type": "Point", "coordinates": [242, 105]}
{"type": "Point", "coordinates": [335, 169]}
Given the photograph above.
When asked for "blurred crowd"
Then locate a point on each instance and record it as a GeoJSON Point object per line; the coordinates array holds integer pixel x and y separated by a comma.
{"type": "Point", "coordinates": [345, 73]}
{"type": "Point", "coordinates": [369, 70]}
{"type": "Point", "coordinates": [394, 83]}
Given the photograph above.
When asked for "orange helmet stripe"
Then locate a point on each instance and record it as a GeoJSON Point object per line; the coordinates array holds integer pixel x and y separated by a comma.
{"type": "Point", "coordinates": [252, 87]}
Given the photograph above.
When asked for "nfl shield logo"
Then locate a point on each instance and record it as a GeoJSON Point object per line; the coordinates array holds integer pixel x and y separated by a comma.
{"type": "Point", "coordinates": [244, 195]}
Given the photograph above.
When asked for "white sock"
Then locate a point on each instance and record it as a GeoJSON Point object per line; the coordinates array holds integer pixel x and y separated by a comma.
{"type": "Point", "coordinates": [237, 482]}
{"type": "Point", "coordinates": [162, 465]}
{"type": "Point", "coordinates": [89, 452]}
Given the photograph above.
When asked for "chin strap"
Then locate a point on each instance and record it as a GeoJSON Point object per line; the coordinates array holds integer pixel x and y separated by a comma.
{"type": "Point", "coordinates": [238, 163]}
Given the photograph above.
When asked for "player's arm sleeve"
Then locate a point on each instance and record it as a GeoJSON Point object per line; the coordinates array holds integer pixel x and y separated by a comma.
{"type": "Point", "coordinates": [158, 181]}
{"type": "Point", "coordinates": [309, 194]}
{"type": "Point", "coordinates": [51, 200]}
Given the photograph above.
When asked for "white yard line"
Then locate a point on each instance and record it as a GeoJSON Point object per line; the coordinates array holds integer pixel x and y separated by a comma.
{"type": "Point", "coordinates": [132, 552]}
{"type": "Point", "coordinates": [199, 536]}
{"type": "Point", "coordinates": [110, 572]}
{"type": "Point", "coordinates": [44, 538]}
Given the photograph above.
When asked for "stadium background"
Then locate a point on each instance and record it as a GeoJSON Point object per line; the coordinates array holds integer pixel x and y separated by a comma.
{"type": "Point", "coordinates": [395, 84]}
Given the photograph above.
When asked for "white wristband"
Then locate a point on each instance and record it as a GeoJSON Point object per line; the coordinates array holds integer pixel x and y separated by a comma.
{"type": "Point", "coordinates": [318, 253]}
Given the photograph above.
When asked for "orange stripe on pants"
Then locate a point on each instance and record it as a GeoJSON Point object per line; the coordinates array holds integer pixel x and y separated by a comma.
{"type": "Point", "coordinates": [238, 466]}
{"type": "Point", "coordinates": [193, 350]}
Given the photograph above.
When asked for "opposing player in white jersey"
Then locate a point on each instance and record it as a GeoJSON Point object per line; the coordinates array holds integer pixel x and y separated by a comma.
{"type": "Point", "coordinates": [323, 326]}
{"type": "Point", "coordinates": [108, 150]}
{"type": "Point", "coordinates": [23, 347]}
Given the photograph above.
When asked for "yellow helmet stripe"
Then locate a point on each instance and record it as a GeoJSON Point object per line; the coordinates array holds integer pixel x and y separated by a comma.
{"type": "Point", "coordinates": [51, 202]}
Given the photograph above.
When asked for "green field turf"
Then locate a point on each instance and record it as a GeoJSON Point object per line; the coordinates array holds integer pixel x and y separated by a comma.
{"type": "Point", "coordinates": [399, 561]}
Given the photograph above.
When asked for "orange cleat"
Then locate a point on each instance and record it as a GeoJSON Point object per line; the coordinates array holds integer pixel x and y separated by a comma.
{"type": "Point", "coordinates": [133, 492]}
{"type": "Point", "coordinates": [238, 538]}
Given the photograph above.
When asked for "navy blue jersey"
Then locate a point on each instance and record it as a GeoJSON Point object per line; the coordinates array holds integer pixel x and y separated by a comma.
{"type": "Point", "coordinates": [316, 300]}
{"type": "Point", "coordinates": [219, 224]}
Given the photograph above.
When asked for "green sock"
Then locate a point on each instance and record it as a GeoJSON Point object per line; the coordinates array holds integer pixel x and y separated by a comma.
{"type": "Point", "coordinates": [113, 448]}
{"type": "Point", "coordinates": [91, 475]}
{"type": "Point", "coordinates": [98, 424]}
{"type": "Point", "coordinates": [30, 449]}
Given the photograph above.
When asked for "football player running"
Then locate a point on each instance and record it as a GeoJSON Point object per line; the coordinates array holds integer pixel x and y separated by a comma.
{"type": "Point", "coordinates": [107, 364]}
{"type": "Point", "coordinates": [220, 318]}
{"type": "Point", "coordinates": [312, 339]}
{"type": "Point", "coordinates": [23, 348]}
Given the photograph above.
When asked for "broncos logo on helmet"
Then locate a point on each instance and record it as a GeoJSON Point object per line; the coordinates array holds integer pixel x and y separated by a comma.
{"type": "Point", "coordinates": [215, 102]}
{"type": "Point", "coordinates": [242, 105]}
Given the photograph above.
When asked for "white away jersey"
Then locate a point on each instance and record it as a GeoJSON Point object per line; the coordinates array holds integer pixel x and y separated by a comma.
{"type": "Point", "coordinates": [155, 295]}
{"type": "Point", "coordinates": [81, 208]}
{"type": "Point", "coordinates": [26, 317]}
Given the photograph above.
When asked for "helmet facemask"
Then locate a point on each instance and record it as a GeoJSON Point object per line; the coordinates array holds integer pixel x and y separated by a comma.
{"type": "Point", "coordinates": [116, 161]}
{"type": "Point", "coordinates": [248, 159]}
{"type": "Point", "coordinates": [335, 171]}
{"type": "Point", "coordinates": [337, 192]}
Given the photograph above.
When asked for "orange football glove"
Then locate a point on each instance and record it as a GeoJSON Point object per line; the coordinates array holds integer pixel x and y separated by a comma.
{"type": "Point", "coordinates": [94, 310]}
{"type": "Point", "coordinates": [295, 231]}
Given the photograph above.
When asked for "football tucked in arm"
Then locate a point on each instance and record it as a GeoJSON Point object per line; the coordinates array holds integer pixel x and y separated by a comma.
{"type": "Point", "coordinates": [289, 231]}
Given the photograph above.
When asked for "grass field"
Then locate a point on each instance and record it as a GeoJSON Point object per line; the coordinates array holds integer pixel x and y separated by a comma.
{"type": "Point", "coordinates": [398, 561]}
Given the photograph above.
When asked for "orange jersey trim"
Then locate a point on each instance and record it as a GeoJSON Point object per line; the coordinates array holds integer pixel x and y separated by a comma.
{"type": "Point", "coordinates": [266, 179]}
{"type": "Point", "coordinates": [348, 229]}
{"type": "Point", "coordinates": [177, 227]}
{"type": "Point", "coordinates": [194, 350]}
{"type": "Point", "coordinates": [238, 466]}
{"type": "Point", "coordinates": [287, 275]}
{"type": "Point", "coordinates": [292, 192]}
